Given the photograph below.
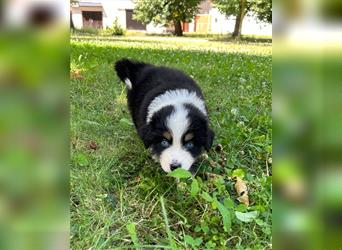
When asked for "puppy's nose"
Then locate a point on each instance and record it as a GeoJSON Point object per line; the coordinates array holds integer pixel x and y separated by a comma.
{"type": "Point", "coordinates": [174, 166]}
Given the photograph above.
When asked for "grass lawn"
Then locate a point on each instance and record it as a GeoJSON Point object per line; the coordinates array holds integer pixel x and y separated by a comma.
{"type": "Point", "coordinates": [121, 198]}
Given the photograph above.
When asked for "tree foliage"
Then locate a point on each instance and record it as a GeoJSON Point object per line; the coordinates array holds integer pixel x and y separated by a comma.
{"type": "Point", "coordinates": [231, 7]}
{"type": "Point", "coordinates": [165, 11]}
{"type": "Point", "coordinates": [262, 8]}
{"type": "Point", "coordinates": [240, 8]}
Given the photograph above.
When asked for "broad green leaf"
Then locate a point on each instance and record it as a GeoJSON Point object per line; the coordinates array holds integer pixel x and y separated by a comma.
{"type": "Point", "coordinates": [239, 173]}
{"type": "Point", "coordinates": [180, 173]}
{"type": "Point", "coordinates": [214, 205]}
{"type": "Point", "coordinates": [132, 232]}
{"type": "Point", "coordinates": [241, 208]}
{"type": "Point", "coordinates": [246, 217]}
{"type": "Point", "coordinates": [194, 188]}
{"type": "Point", "coordinates": [228, 203]}
{"type": "Point", "coordinates": [207, 197]}
{"type": "Point", "coordinates": [205, 227]}
{"type": "Point", "coordinates": [227, 222]}
{"type": "Point", "coordinates": [82, 160]}
{"type": "Point", "coordinates": [188, 239]}
{"type": "Point", "coordinates": [260, 222]}
{"type": "Point", "coordinates": [193, 242]}
{"type": "Point", "coordinates": [198, 241]}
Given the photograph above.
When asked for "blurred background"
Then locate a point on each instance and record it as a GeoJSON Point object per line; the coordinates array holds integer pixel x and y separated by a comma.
{"type": "Point", "coordinates": [307, 122]}
{"type": "Point", "coordinates": [34, 72]}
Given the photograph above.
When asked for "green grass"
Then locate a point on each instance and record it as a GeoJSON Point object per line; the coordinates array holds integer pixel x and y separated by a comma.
{"type": "Point", "coordinates": [121, 198]}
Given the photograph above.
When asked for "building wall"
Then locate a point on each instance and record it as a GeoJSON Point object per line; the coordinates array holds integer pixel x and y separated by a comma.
{"type": "Point", "coordinates": [192, 26]}
{"type": "Point", "coordinates": [115, 9]}
{"type": "Point", "coordinates": [110, 11]}
{"type": "Point", "coordinates": [203, 23]}
{"type": "Point", "coordinates": [250, 26]}
{"type": "Point", "coordinates": [77, 18]}
{"type": "Point", "coordinates": [219, 23]}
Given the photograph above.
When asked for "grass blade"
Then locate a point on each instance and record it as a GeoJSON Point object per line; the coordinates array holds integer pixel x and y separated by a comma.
{"type": "Point", "coordinates": [167, 227]}
{"type": "Point", "coordinates": [133, 233]}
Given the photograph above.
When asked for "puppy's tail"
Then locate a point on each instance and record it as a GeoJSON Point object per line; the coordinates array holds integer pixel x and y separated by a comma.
{"type": "Point", "coordinates": [128, 71]}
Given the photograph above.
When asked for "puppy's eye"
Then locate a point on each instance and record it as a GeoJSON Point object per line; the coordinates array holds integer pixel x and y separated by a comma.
{"type": "Point", "coordinates": [189, 145]}
{"type": "Point", "coordinates": [165, 143]}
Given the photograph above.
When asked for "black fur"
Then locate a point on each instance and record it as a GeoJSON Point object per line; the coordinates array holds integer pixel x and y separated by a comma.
{"type": "Point", "coordinates": [204, 136]}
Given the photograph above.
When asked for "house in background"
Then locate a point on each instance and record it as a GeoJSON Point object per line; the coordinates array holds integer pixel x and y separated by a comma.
{"type": "Point", "coordinates": [210, 20]}
{"type": "Point", "coordinates": [102, 13]}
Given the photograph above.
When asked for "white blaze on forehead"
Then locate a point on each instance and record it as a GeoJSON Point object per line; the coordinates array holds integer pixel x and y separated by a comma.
{"type": "Point", "coordinates": [175, 98]}
{"type": "Point", "coordinates": [178, 124]}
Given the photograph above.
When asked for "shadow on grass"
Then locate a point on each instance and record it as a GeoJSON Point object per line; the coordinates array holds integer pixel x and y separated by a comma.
{"type": "Point", "coordinates": [114, 39]}
{"type": "Point", "coordinates": [218, 37]}
{"type": "Point", "coordinates": [243, 39]}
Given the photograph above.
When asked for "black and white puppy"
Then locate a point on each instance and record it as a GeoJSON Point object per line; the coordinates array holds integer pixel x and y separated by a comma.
{"type": "Point", "coordinates": [168, 111]}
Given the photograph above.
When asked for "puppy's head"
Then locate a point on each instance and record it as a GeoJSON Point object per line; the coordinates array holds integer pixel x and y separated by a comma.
{"type": "Point", "coordinates": [177, 135]}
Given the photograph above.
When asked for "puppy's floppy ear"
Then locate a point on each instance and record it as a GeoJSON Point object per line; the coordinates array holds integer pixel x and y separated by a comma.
{"type": "Point", "coordinates": [146, 135]}
{"type": "Point", "coordinates": [210, 139]}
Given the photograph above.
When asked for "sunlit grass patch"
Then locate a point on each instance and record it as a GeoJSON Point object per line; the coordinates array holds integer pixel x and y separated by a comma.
{"type": "Point", "coordinates": [176, 43]}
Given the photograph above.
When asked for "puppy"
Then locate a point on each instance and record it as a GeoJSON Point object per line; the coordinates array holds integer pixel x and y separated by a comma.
{"type": "Point", "coordinates": [168, 111]}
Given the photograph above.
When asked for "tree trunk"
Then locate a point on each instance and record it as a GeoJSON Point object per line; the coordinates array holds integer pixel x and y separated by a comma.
{"type": "Point", "coordinates": [239, 19]}
{"type": "Point", "coordinates": [178, 28]}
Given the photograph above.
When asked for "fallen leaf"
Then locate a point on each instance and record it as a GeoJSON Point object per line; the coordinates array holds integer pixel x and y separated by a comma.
{"type": "Point", "coordinates": [93, 145]}
{"type": "Point", "coordinates": [240, 186]}
{"type": "Point", "coordinates": [242, 191]}
{"type": "Point", "coordinates": [244, 199]}
{"type": "Point", "coordinates": [76, 75]}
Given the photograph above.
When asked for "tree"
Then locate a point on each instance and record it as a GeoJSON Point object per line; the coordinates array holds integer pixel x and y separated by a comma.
{"type": "Point", "coordinates": [166, 12]}
{"type": "Point", "coordinates": [240, 8]}
{"type": "Point", "coordinates": [263, 9]}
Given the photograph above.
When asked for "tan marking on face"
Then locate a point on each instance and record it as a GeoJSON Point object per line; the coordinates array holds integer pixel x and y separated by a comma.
{"type": "Point", "coordinates": [167, 135]}
{"type": "Point", "coordinates": [188, 136]}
